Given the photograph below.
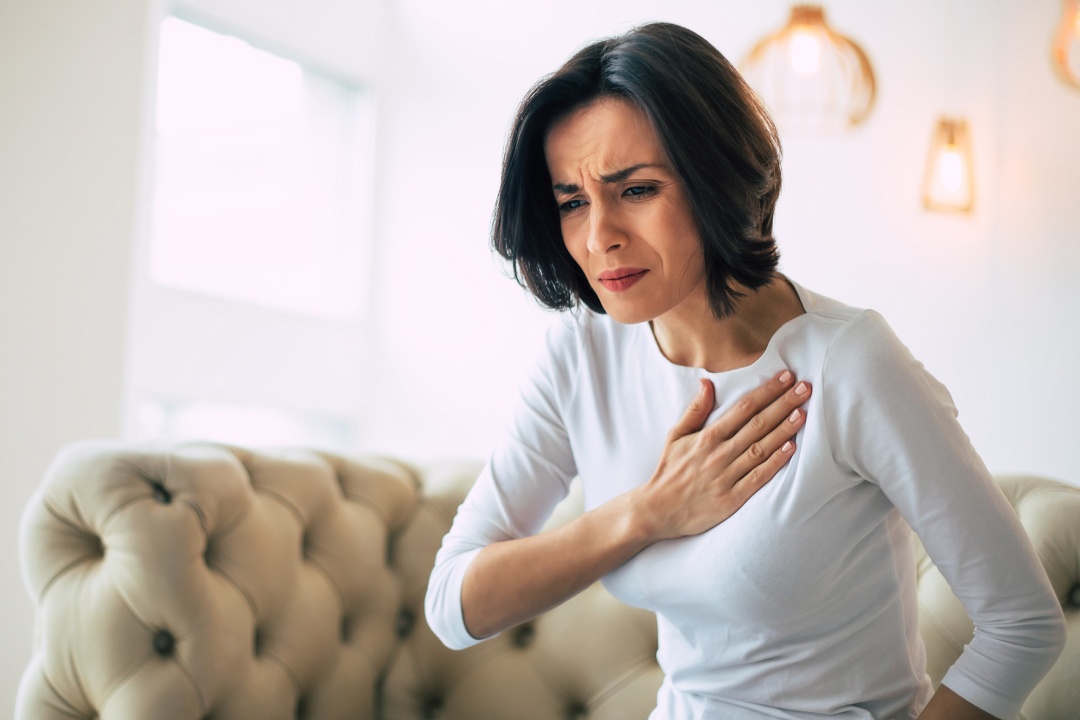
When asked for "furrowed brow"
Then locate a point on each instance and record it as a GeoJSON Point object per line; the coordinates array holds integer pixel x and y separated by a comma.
{"type": "Point", "coordinates": [620, 175]}
{"type": "Point", "coordinates": [610, 179]}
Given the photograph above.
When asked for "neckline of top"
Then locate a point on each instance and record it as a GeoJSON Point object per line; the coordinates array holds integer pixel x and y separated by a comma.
{"type": "Point", "coordinates": [654, 351]}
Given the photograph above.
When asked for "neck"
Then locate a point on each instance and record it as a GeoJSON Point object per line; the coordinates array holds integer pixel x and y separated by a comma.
{"type": "Point", "coordinates": [691, 334]}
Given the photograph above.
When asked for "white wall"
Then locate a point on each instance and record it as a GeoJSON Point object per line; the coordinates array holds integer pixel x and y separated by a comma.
{"type": "Point", "coordinates": [984, 300]}
{"type": "Point", "coordinates": [70, 83]}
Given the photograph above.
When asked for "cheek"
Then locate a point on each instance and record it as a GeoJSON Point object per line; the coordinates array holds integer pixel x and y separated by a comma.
{"type": "Point", "coordinates": [574, 245]}
{"type": "Point", "coordinates": [689, 241]}
{"type": "Point", "coordinates": [693, 260]}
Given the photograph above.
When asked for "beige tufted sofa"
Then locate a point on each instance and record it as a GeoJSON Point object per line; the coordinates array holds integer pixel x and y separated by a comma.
{"type": "Point", "coordinates": [205, 582]}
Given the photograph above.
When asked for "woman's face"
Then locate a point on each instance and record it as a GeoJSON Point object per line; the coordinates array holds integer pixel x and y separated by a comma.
{"type": "Point", "coordinates": [624, 213]}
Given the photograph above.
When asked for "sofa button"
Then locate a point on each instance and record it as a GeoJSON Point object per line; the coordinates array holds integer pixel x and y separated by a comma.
{"type": "Point", "coordinates": [431, 709]}
{"type": "Point", "coordinates": [164, 643]}
{"type": "Point", "coordinates": [1074, 596]}
{"type": "Point", "coordinates": [576, 711]}
{"type": "Point", "coordinates": [523, 636]}
{"type": "Point", "coordinates": [405, 623]}
{"type": "Point", "coordinates": [160, 493]}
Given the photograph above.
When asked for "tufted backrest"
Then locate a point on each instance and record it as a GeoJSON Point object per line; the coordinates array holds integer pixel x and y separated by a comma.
{"type": "Point", "coordinates": [206, 582]}
{"type": "Point", "coordinates": [211, 582]}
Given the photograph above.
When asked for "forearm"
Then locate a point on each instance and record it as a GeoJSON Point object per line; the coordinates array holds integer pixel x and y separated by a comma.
{"type": "Point", "coordinates": [704, 476]}
{"type": "Point", "coordinates": [947, 705]}
{"type": "Point", "coordinates": [513, 581]}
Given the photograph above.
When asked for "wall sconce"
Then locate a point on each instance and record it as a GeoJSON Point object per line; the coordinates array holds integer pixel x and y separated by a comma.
{"type": "Point", "coordinates": [808, 71]}
{"type": "Point", "coordinates": [1066, 49]}
{"type": "Point", "coordinates": [949, 182]}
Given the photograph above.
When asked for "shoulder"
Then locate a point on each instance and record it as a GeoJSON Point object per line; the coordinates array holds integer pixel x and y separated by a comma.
{"type": "Point", "coordinates": [861, 352]}
{"type": "Point", "coordinates": [852, 334]}
{"type": "Point", "coordinates": [573, 343]}
{"type": "Point", "coordinates": [825, 309]}
{"type": "Point", "coordinates": [865, 361]}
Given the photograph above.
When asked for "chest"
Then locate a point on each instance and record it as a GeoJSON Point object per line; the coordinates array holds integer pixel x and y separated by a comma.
{"type": "Point", "coordinates": [789, 553]}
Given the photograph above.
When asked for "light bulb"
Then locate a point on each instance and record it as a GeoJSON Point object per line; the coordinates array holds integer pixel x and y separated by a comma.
{"type": "Point", "coordinates": [951, 169]}
{"type": "Point", "coordinates": [805, 52]}
{"type": "Point", "coordinates": [949, 184]}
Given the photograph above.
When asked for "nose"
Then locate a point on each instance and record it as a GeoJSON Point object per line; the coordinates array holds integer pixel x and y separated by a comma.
{"type": "Point", "coordinates": [605, 232]}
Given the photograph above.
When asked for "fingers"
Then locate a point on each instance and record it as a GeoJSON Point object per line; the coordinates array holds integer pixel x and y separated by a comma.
{"type": "Point", "coordinates": [772, 451]}
{"type": "Point", "coordinates": [698, 411]}
{"type": "Point", "coordinates": [749, 405]}
{"type": "Point", "coordinates": [767, 431]}
{"type": "Point", "coordinates": [727, 462]}
{"type": "Point", "coordinates": [763, 472]}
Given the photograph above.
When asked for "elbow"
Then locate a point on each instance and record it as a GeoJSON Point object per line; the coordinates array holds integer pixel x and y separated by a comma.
{"type": "Point", "coordinates": [443, 610]}
{"type": "Point", "coordinates": [446, 637]}
{"type": "Point", "coordinates": [434, 614]}
{"type": "Point", "coordinates": [453, 635]}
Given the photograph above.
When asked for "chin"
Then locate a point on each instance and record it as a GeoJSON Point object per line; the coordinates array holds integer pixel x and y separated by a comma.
{"type": "Point", "coordinates": [626, 315]}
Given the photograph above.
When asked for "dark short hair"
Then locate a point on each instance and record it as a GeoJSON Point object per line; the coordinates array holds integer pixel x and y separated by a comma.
{"type": "Point", "coordinates": [715, 131]}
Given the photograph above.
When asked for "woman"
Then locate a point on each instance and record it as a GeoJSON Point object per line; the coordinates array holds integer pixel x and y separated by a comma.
{"type": "Point", "coordinates": [769, 526]}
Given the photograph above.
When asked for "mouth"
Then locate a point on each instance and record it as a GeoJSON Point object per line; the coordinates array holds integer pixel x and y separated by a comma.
{"type": "Point", "coordinates": [620, 279]}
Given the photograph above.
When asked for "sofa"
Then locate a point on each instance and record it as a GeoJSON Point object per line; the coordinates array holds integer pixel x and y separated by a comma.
{"type": "Point", "coordinates": [209, 582]}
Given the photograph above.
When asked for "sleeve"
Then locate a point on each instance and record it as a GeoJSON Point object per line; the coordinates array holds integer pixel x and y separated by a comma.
{"type": "Point", "coordinates": [891, 423]}
{"type": "Point", "coordinates": [525, 478]}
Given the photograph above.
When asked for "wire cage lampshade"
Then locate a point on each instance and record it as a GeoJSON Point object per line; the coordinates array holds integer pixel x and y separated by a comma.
{"type": "Point", "coordinates": [807, 71]}
{"type": "Point", "coordinates": [1066, 49]}
{"type": "Point", "coordinates": [949, 183]}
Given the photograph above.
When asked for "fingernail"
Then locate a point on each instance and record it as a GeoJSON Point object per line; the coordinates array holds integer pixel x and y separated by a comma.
{"type": "Point", "coordinates": [785, 376]}
{"type": "Point", "coordinates": [801, 389]}
{"type": "Point", "coordinates": [794, 416]}
{"type": "Point", "coordinates": [787, 447]}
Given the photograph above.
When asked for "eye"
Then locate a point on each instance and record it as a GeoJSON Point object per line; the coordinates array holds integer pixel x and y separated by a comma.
{"type": "Point", "coordinates": [570, 206]}
{"type": "Point", "coordinates": [639, 191]}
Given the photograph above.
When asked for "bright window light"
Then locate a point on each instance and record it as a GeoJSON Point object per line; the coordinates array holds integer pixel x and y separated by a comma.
{"type": "Point", "coordinates": [258, 194]}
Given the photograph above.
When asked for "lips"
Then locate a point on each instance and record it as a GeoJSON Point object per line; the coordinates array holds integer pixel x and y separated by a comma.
{"type": "Point", "coordinates": [621, 279]}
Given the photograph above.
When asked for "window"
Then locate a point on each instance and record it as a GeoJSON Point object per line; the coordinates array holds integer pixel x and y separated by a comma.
{"type": "Point", "coordinates": [249, 305]}
{"type": "Point", "coordinates": [256, 171]}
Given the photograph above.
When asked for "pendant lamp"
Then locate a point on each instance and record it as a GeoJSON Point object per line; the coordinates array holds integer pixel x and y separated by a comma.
{"type": "Point", "coordinates": [949, 182]}
{"type": "Point", "coordinates": [1066, 49]}
{"type": "Point", "coordinates": [808, 71]}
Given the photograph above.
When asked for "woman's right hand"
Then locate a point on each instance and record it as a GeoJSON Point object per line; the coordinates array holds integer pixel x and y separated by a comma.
{"type": "Point", "coordinates": [706, 474]}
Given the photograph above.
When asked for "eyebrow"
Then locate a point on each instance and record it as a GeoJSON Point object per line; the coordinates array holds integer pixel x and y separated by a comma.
{"type": "Point", "coordinates": [610, 179]}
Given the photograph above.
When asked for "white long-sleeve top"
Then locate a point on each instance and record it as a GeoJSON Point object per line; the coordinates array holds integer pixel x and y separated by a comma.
{"type": "Point", "coordinates": [803, 603]}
